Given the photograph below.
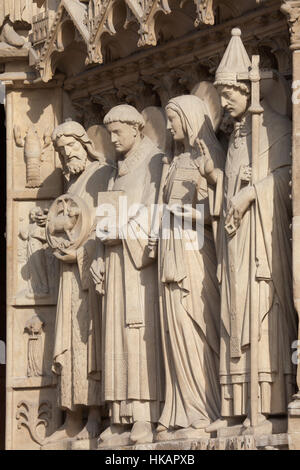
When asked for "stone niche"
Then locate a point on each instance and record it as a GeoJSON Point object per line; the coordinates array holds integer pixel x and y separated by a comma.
{"type": "Point", "coordinates": [94, 357]}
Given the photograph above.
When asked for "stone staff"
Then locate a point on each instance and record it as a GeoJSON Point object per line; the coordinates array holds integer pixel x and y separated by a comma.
{"type": "Point", "coordinates": [256, 110]}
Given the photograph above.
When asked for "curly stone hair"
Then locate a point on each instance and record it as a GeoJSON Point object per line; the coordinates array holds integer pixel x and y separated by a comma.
{"type": "Point", "coordinates": [76, 130]}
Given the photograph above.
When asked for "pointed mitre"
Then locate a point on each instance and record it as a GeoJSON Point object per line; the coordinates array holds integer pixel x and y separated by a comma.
{"type": "Point", "coordinates": [235, 64]}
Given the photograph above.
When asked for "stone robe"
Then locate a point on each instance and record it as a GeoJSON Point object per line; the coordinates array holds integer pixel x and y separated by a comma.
{"type": "Point", "coordinates": [38, 283]}
{"type": "Point", "coordinates": [77, 350]}
{"type": "Point", "coordinates": [190, 321]}
{"type": "Point", "coordinates": [131, 345]}
{"type": "Point", "coordinates": [189, 291]}
{"type": "Point", "coordinates": [271, 265]}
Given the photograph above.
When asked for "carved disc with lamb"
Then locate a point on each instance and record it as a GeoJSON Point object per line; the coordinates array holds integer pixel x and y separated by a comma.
{"type": "Point", "coordinates": [68, 225]}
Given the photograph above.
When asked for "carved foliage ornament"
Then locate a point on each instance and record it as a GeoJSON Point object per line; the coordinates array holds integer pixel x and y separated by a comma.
{"type": "Point", "coordinates": [34, 416]}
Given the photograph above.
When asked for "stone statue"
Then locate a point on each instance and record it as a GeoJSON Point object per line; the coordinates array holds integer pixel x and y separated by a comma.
{"type": "Point", "coordinates": [34, 327]}
{"type": "Point", "coordinates": [36, 266]}
{"type": "Point", "coordinates": [190, 302]}
{"type": "Point", "coordinates": [255, 265]}
{"type": "Point", "coordinates": [77, 354]}
{"type": "Point", "coordinates": [131, 333]}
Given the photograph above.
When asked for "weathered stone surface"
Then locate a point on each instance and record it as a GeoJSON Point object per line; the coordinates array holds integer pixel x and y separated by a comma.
{"type": "Point", "coordinates": [127, 329]}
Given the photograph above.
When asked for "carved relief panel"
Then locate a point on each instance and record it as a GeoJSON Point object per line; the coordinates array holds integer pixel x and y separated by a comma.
{"type": "Point", "coordinates": [35, 167]}
{"type": "Point", "coordinates": [31, 383]}
{"type": "Point", "coordinates": [37, 277]}
{"type": "Point", "coordinates": [35, 417]}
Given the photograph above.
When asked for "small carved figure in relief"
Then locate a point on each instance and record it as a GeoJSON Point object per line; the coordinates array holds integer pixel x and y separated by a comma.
{"type": "Point", "coordinates": [258, 320]}
{"type": "Point", "coordinates": [190, 306]}
{"type": "Point", "coordinates": [131, 336]}
{"type": "Point", "coordinates": [37, 270]}
{"type": "Point", "coordinates": [34, 152]}
{"type": "Point", "coordinates": [34, 327]}
{"type": "Point", "coordinates": [77, 349]}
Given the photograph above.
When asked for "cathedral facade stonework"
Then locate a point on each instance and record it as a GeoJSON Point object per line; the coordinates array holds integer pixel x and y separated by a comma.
{"type": "Point", "coordinates": [153, 224]}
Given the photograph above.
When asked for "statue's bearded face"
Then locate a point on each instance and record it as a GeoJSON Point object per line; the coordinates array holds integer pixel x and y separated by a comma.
{"type": "Point", "coordinates": [123, 136]}
{"type": "Point", "coordinates": [234, 101]}
{"type": "Point", "coordinates": [174, 124]}
{"type": "Point", "coordinates": [73, 153]}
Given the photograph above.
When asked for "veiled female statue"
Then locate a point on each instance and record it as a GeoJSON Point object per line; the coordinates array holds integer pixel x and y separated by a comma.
{"type": "Point", "coordinates": [189, 293]}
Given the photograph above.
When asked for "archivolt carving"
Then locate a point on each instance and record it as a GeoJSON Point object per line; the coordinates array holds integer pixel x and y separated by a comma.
{"type": "Point", "coordinates": [291, 8]}
{"type": "Point", "coordinates": [205, 12]}
{"type": "Point", "coordinates": [69, 11]}
{"type": "Point", "coordinates": [93, 20]}
{"type": "Point", "coordinates": [144, 12]}
{"type": "Point", "coordinates": [100, 21]}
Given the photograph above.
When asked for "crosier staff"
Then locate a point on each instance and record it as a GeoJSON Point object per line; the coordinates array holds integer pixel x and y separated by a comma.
{"type": "Point", "coordinates": [256, 110]}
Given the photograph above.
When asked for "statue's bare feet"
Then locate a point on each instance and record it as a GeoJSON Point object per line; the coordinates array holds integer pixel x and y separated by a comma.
{"type": "Point", "coordinates": [58, 435]}
{"type": "Point", "coordinates": [216, 425]}
{"type": "Point", "coordinates": [71, 427]}
{"type": "Point", "coordinates": [93, 426]}
{"type": "Point", "coordinates": [115, 434]}
{"type": "Point", "coordinates": [200, 424]}
{"type": "Point", "coordinates": [142, 432]}
{"type": "Point", "coordinates": [90, 430]}
{"type": "Point", "coordinates": [112, 429]}
{"type": "Point", "coordinates": [261, 419]}
{"type": "Point", "coordinates": [223, 423]}
{"type": "Point", "coordinates": [61, 434]}
{"type": "Point", "coordinates": [160, 428]}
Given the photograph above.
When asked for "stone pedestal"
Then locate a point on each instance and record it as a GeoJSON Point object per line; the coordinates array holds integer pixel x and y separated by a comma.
{"type": "Point", "coordinates": [263, 442]}
{"type": "Point", "coordinates": [294, 423]}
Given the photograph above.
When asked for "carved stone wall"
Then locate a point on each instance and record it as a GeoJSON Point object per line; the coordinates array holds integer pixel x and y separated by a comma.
{"type": "Point", "coordinates": [32, 270]}
{"type": "Point", "coordinates": [77, 61]}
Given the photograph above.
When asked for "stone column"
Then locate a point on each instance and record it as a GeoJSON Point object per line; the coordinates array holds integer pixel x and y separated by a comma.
{"type": "Point", "coordinates": [292, 9]}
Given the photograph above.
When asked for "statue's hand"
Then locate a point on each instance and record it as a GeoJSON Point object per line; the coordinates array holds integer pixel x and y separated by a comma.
{"type": "Point", "coordinates": [152, 246]}
{"type": "Point", "coordinates": [152, 241]}
{"type": "Point", "coordinates": [65, 257]}
{"type": "Point", "coordinates": [177, 209]}
{"type": "Point", "coordinates": [41, 218]}
{"type": "Point", "coordinates": [96, 273]}
{"type": "Point", "coordinates": [109, 236]}
{"type": "Point", "coordinates": [239, 204]}
{"type": "Point", "coordinates": [205, 163]}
